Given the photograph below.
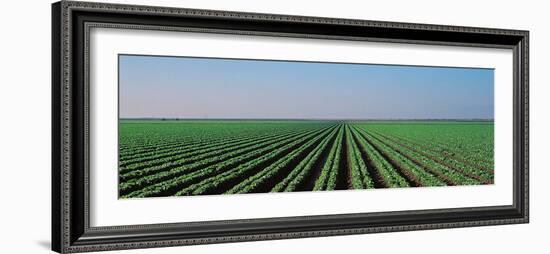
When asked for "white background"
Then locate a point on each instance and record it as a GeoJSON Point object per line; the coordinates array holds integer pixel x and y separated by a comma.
{"type": "Point", "coordinates": [25, 135]}
{"type": "Point", "coordinates": [108, 210]}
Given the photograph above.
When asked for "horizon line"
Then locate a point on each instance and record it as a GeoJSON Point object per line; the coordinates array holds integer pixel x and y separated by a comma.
{"type": "Point", "coordinates": [312, 119]}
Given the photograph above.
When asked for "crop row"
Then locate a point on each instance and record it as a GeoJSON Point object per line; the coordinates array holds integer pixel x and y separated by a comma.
{"type": "Point", "coordinates": [195, 155]}
{"type": "Point", "coordinates": [181, 177]}
{"type": "Point", "coordinates": [463, 167]}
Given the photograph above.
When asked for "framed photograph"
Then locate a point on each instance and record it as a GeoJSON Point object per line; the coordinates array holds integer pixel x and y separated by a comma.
{"type": "Point", "coordinates": [182, 126]}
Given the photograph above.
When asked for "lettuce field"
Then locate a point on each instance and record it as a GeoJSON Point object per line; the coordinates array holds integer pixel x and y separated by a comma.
{"type": "Point", "coordinates": [203, 157]}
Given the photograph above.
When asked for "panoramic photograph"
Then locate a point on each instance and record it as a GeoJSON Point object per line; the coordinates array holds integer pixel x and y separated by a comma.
{"type": "Point", "coordinates": [209, 126]}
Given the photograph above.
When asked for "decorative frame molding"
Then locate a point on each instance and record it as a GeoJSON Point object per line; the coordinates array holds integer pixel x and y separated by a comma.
{"type": "Point", "coordinates": [71, 22]}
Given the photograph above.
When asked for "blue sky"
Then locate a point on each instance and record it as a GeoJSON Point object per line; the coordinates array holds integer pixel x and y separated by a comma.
{"type": "Point", "coordinates": [184, 87]}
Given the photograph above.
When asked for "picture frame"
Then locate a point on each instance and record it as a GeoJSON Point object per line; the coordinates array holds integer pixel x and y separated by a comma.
{"type": "Point", "coordinates": [71, 228]}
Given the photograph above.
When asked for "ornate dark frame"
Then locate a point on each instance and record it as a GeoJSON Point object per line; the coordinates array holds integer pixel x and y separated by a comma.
{"type": "Point", "coordinates": [71, 22]}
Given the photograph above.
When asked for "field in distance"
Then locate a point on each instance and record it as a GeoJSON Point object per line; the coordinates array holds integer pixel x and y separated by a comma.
{"type": "Point", "coordinates": [199, 157]}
